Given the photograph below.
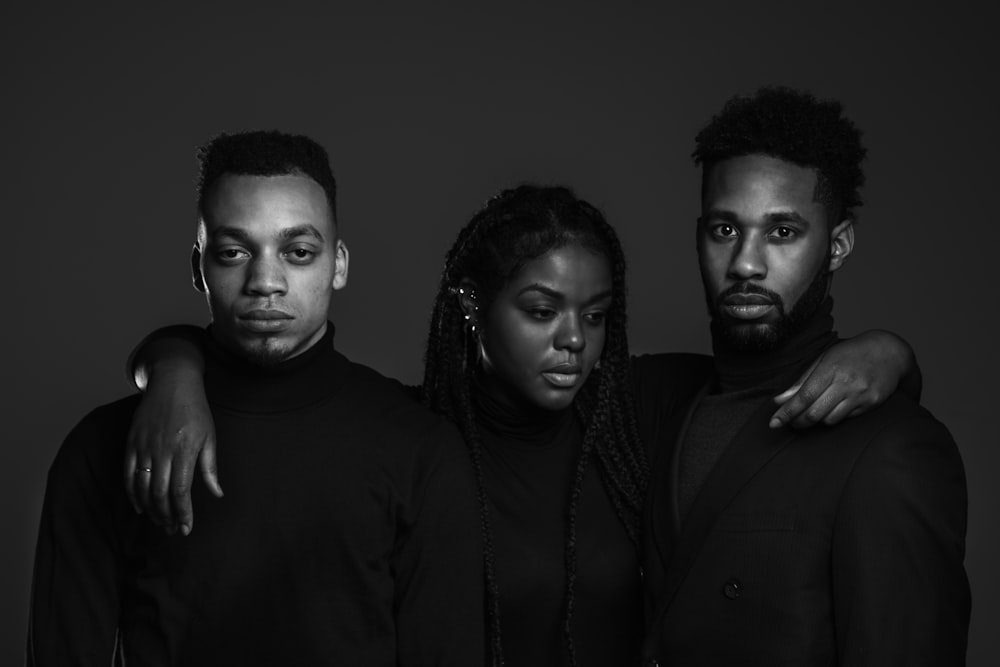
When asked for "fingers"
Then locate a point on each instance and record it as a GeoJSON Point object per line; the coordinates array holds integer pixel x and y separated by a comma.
{"type": "Point", "coordinates": [805, 409]}
{"type": "Point", "coordinates": [180, 495]}
{"type": "Point", "coordinates": [818, 409]}
{"type": "Point", "coordinates": [798, 401]}
{"type": "Point", "coordinates": [209, 472]}
{"type": "Point", "coordinates": [840, 412]}
{"type": "Point", "coordinates": [783, 397]}
{"type": "Point", "coordinates": [141, 481]}
{"type": "Point", "coordinates": [158, 496]}
{"type": "Point", "coordinates": [824, 397]}
{"type": "Point", "coordinates": [128, 470]}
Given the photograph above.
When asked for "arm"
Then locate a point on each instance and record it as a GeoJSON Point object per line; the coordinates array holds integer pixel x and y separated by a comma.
{"type": "Point", "coordinates": [75, 596]}
{"type": "Point", "coordinates": [172, 428]}
{"type": "Point", "coordinates": [849, 379]}
{"type": "Point", "coordinates": [901, 596]}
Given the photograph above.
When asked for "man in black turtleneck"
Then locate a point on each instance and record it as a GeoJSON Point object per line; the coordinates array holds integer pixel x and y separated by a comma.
{"type": "Point", "coordinates": [348, 532]}
{"type": "Point", "coordinates": [767, 546]}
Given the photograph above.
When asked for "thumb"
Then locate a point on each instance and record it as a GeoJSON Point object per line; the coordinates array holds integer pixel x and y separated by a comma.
{"type": "Point", "coordinates": [783, 397]}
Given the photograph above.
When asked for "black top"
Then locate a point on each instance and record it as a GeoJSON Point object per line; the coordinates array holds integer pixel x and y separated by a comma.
{"type": "Point", "coordinates": [339, 541]}
{"type": "Point", "coordinates": [714, 423]}
{"type": "Point", "coordinates": [529, 459]}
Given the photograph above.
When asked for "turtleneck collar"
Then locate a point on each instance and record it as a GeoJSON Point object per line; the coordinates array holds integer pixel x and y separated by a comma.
{"type": "Point", "coordinates": [233, 382]}
{"type": "Point", "coordinates": [737, 370]}
{"type": "Point", "coordinates": [526, 424]}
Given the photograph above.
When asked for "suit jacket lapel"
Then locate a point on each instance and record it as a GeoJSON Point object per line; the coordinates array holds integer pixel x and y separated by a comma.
{"type": "Point", "coordinates": [753, 446]}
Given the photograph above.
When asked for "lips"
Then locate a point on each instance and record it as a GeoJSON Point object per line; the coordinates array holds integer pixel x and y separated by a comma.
{"type": "Point", "coordinates": [747, 306]}
{"type": "Point", "coordinates": [265, 321]}
{"type": "Point", "coordinates": [748, 302]}
{"type": "Point", "coordinates": [563, 376]}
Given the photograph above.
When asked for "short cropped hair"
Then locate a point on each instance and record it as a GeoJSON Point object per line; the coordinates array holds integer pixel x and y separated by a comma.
{"type": "Point", "coordinates": [796, 127]}
{"type": "Point", "coordinates": [264, 153]}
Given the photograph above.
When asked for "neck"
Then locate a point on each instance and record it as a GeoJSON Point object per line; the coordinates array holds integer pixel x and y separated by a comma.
{"type": "Point", "coordinates": [737, 370]}
{"type": "Point", "coordinates": [497, 414]}
{"type": "Point", "coordinates": [233, 382]}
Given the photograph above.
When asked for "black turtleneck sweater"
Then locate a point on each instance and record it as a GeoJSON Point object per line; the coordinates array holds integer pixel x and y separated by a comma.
{"type": "Point", "coordinates": [529, 460]}
{"type": "Point", "coordinates": [341, 539]}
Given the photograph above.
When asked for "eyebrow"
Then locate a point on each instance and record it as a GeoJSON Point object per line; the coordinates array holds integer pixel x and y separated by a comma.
{"type": "Point", "coordinates": [548, 291]}
{"type": "Point", "coordinates": [771, 218]}
{"type": "Point", "coordinates": [285, 234]}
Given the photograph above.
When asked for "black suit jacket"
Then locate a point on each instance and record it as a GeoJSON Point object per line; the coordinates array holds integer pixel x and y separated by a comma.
{"type": "Point", "coordinates": [835, 545]}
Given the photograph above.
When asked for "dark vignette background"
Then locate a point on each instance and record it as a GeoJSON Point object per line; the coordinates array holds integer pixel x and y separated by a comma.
{"type": "Point", "coordinates": [427, 111]}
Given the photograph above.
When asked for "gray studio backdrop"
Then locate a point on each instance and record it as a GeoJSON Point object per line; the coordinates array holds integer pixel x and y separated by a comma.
{"type": "Point", "coordinates": [427, 111]}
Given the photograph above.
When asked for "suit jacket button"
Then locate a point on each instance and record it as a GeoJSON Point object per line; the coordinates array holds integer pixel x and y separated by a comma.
{"type": "Point", "coordinates": [651, 662]}
{"type": "Point", "coordinates": [732, 589]}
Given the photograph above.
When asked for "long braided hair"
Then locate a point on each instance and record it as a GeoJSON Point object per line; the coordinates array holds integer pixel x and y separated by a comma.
{"type": "Point", "coordinates": [513, 228]}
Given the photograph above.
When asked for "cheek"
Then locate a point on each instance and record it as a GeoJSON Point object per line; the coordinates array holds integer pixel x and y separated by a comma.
{"type": "Point", "coordinates": [595, 343]}
{"type": "Point", "coordinates": [516, 346]}
{"type": "Point", "coordinates": [714, 262]}
{"type": "Point", "coordinates": [791, 272]}
{"type": "Point", "coordinates": [314, 287]}
{"type": "Point", "coordinates": [223, 286]}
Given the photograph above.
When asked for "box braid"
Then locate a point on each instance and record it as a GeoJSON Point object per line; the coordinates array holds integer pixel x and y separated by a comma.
{"type": "Point", "coordinates": [514, 227]}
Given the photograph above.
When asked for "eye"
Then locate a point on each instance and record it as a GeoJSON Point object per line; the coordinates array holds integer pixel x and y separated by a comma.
{"type": "Point", "coordinates": [784, 233]}
{"type": "Point", "coordinates": [539, 313]}
{"type": "Point", "coordinates": [231, 255]}
{"type": "Point", "coordinates": [595, 318]}
{"type": "Point", "coordinates": [300, 255]}
{"type": "Point", "coordinates": [724, 231]}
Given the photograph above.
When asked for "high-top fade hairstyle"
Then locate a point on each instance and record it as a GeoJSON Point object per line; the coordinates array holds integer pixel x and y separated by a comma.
{"type": "Point", "coordinates": [796, 127]}
{"type": "Point", "coordinates": [513, 228]}
{"type": "Point", "coordinates": [265, 153]}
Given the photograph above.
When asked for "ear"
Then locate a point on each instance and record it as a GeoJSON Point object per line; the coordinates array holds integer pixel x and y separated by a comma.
{"type": "Point", "coordinates": [341, 262]}
{"type": "Point", "coordinates": [841, 243]}
{"type": "Point", "coordinates": [197, 277]}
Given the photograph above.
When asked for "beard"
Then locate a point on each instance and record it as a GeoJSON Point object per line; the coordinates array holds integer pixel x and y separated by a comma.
{"type": "Point", "coordinates": [741, 336]}
{"type": "Point", "coordinates": [266, 352]}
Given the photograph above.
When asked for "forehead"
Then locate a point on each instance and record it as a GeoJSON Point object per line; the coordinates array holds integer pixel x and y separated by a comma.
{"type": "Point", "coordinates": [571, 268]}
{"type": "Point", "coordinates": [754, 184]}
{"type": "Point", "coordinates": [268, 204]}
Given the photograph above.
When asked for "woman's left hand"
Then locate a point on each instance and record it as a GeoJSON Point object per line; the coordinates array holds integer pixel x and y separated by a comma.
{"type": "Point", "coordinates": [849, 379]}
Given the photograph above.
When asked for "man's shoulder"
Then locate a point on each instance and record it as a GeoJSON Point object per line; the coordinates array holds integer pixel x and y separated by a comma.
{"type": "Point", "coordinates": [96, 443]}
{"type": "Point", "coordinates": [369, 387]}
{"type": "Point", "coordinates": [899, 434]}
{"type": "Point", "coordinates": [364, 378]}
{"type": "Point", "coordinates": [392, 407]}
{"type": "Point", "coordinates": [898, 415]}
{"type": "Point", "coordinates": [106, 420]}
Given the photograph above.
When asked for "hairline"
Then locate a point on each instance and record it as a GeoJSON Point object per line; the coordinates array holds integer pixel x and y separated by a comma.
{"type": "Point", "coordinates": [823, 191]}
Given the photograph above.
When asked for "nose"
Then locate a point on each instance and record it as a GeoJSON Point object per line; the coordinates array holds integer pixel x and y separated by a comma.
{"type": "Point", "coordinates": [266, 276]}
{"type": "Point", "coordinates": [569, 336]}
{"type": "Point", "coordinates": [748, 260]}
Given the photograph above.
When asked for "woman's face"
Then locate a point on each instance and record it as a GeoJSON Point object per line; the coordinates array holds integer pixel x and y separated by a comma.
{"type": "Point", "coordinates": [544, 331]}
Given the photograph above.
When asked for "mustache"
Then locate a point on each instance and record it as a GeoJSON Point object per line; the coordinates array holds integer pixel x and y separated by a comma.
{"type": "Point", "coordinates": [750, 288]}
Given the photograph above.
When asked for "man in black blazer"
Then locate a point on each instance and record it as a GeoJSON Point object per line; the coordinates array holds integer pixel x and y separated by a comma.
{"type": "Point", "coordinates": [839, 545]}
